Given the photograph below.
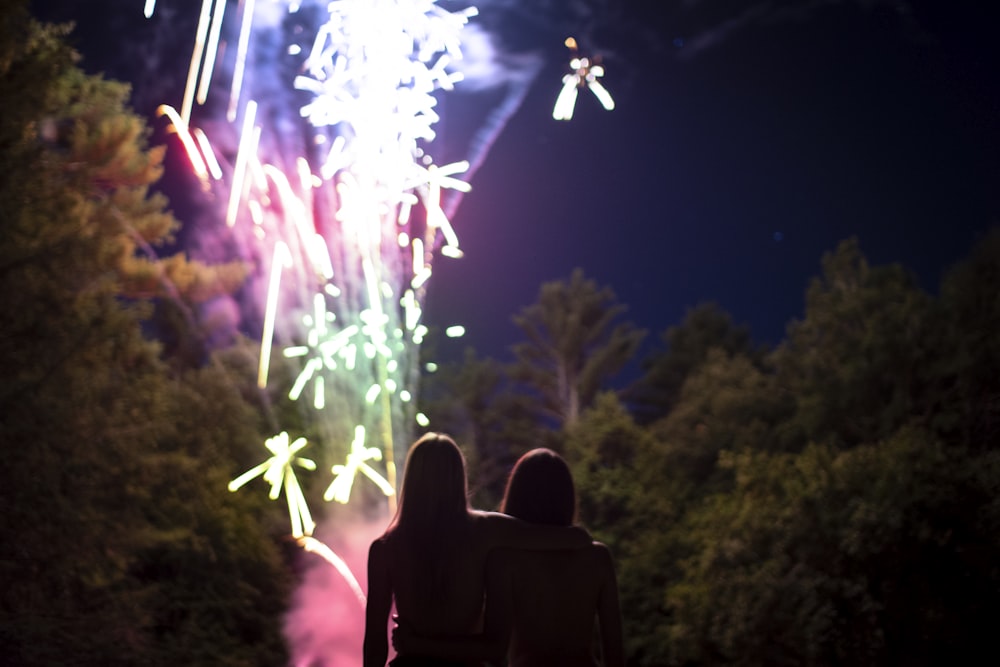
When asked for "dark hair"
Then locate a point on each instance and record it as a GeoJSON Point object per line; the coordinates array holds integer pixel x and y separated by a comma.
{"type": "Point", "coordinates": [435, 489]}
{"type": "Point", "coordinates": [433, 509]}
{"type": "Point", "coordinates": [540, 490]}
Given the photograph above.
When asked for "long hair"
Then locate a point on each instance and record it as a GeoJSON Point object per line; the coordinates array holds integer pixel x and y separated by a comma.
{"type": "Point", "coordinates": [433, 508]}
{"type": "Point", "coordinates": [540, 490]}
{"type": "Point", "coordinates": [435, 489]}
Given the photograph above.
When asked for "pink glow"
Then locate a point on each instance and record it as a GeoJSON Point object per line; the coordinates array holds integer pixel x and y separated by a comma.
{"type": "Point", "coordinates": [326, 624]}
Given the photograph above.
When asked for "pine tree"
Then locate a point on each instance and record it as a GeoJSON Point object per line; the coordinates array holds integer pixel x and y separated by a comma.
{"type": "Point", "coordinates": [574, 345]}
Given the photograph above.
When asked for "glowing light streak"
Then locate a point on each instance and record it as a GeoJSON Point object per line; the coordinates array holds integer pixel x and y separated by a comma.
{"type": "Point", "coordinates": [197, 55]}
{"type": "Point", "coordinates": [278, 471]}
{"type": "Point", "coordinates": [149, 8]}
{"type": "Point", "coordinates": [249, 138]}
{"type": "Point", "coordinates": [422, 419]}
{"type": "Point", "coordinates": [213, 50]}
{"type": "Point", "coordinates": [421, 278]}
{"type": "Point", "coordinates": [411, 310]}
{"type": "Point", "coordinates": [566, 101]}
{"type": "Point", "coordinates": [312, 545]}
{"type": "Point", "coordinates": [190, 145]}
{"type": "Point", "coordinates": [456, 331]}
{"type": "Point", "coordinates": [343, 480]}
{"type": "Point", "coordinates": [241, 59]}
{"type": "Point", "coordinates": [214, 168]}
{"type": "Point", "coordinates": [282, 259]}
{"type": "Point", "coordinates": [602, 94]}
{"type": "Point", "coordinates": [296, 210]}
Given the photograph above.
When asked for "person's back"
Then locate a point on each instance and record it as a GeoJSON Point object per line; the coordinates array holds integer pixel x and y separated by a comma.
{"type": "Point", "coordinates": [555, 598]}
{"type": "Point", "coordinates": [454, 604]}
{"type": "Point", "coordinates": [548, 602]}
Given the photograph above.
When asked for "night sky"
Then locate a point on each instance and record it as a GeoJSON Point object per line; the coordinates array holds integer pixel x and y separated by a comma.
{"type": "Point", "coordinates": [750, 137]}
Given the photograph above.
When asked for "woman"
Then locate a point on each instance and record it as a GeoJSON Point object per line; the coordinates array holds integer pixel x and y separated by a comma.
{"type": "Point", "coordinates": [431, 561]}
{"type": "Point", "coordinates": [542, 603]}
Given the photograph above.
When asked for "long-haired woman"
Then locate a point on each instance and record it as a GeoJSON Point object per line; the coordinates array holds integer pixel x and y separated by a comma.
{"type": "Point", "coordinates": [550, 600]}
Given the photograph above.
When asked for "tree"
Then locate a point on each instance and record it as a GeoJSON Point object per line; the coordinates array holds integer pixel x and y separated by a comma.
{"type": "Point", "coordinates": [574, 345]}
{"type": "Point", "coordinates": [684, 348]}
{"type": "Point", "coordinates": [627, 502]}
{"type": "Point", "coordinates": [870, 556]}
{"type": "Point", "coordinates": [475, 402]}
{"type": "Point", "coordinates": [116, 513]}
{"type": "Point", "coordinates": [965, 372]}
{"type": "Point", "coordinates": [856, 364]}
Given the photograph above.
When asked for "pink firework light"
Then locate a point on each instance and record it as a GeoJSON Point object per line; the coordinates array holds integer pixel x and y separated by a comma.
{"type": "Point", "coordinates": [342, 208]}
{"type": "Point", "coordinates": [346, 234]}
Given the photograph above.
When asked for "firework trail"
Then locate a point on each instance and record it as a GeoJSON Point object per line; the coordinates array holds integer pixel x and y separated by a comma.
{"type": "Point", "coordinates": [329, 188]}
{"type": "Point", "coordinates": [312, 126]}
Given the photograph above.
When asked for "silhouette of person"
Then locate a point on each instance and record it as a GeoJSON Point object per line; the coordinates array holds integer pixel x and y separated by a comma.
{"type": "Point", "coordinates": [541, 605]}
{"type": "Point", "coordinates": [431, 560]}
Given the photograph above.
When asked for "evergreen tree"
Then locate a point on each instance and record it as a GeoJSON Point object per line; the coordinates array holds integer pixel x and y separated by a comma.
{"type": "Point", "coordinates": [120, 544]}
{"type": "Point", "coordinates": [574, 345]}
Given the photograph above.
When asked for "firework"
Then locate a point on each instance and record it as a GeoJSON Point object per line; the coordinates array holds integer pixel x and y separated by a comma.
{"type": "Point", "coordinates": [325, 172]}
{"type": "Point", "coordinates": [352, 238]}
{"type": "Point", "coordinates": [278, 471]}
{"type": "Point", "coordinates": [584, 73]}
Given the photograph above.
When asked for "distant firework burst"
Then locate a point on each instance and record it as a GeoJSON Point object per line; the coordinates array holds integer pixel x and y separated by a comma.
{"type": "Point", "coordinates": [312, 126]}
{"type": "Point", "coordinates": [330, 111]}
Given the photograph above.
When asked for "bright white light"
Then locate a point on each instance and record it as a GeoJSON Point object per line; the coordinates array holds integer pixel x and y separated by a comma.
{"type": "Point", "coordinates": [584, 74]}
{"type": "Point", "coordinates": [278, 471]}
{"type": "Point", "coordinates": [343, 480]}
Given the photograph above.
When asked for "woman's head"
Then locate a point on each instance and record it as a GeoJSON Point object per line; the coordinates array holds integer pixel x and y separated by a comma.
{"type": "Point", "coordinates": [540, 490]}
{"type": "Point", "coordinates": [434, 483]}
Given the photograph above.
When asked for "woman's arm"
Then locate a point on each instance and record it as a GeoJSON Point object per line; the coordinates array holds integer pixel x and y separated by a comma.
{"type": "Point", "coordinates": [506, 531]}
{"type": "Point", "coordinates": [609, 613]}
{"type": "Point", "coordinates": [376, 647]}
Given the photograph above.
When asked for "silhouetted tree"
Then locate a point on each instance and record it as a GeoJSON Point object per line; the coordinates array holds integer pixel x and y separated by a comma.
{"type": "Point", "coordinates": [121, 545]}
{"type": "Point", "coordinates": [856, 363]}
{"type": "Point", "coordinates": [574, 345]}
{"type": "Point", "coordinates": [683, 349]}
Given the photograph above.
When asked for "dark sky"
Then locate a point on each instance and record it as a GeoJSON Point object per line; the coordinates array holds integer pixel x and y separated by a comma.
{"type": "Point", "coordinates": [750, 137]}
{"type": "Point", "coordinates": [736, 158]}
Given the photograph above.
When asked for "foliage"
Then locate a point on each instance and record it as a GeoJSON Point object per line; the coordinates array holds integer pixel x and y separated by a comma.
{"type": "Point", "coordinates": [121, 544]}
{"type": "Point", "coordinates": [574, 345]}
{"type": "Point", "coordinates": [682, 350]}
{"type": "Point", "coordinates": [856, 364]}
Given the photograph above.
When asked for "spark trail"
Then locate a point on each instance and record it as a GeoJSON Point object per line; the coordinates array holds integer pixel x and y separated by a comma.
{"type": "Point", "coordinates": [343, 208]}
{"type": "Point", "coordinates": [324, 167]}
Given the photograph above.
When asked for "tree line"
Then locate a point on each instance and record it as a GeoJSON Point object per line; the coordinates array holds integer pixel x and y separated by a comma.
{"type": "Point", "coordinates": [829, 500]}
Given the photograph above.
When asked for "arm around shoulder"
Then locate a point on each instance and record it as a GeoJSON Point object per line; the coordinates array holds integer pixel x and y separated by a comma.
{"type": "Point", "coordinates": [506, 531]}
